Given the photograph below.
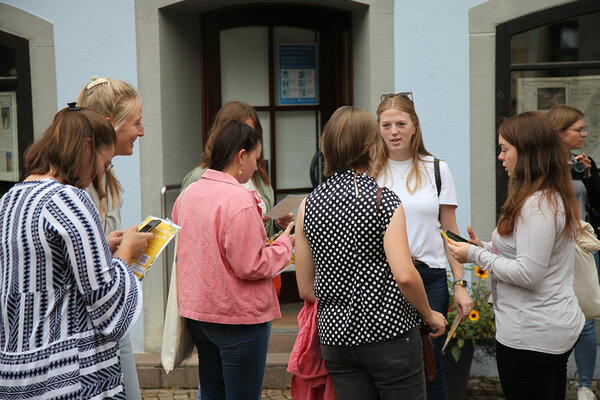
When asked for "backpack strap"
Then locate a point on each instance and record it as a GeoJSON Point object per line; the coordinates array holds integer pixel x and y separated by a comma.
{"type": "Point", "coordinates": [438, 178]}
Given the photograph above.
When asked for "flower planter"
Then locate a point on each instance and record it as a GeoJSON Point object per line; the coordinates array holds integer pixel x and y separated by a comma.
{"type": "Point", "coordinates": [457, 372]}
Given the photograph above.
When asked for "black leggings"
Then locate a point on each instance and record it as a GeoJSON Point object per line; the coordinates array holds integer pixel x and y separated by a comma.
{"type": "Point", "coordinates": [527, 375]}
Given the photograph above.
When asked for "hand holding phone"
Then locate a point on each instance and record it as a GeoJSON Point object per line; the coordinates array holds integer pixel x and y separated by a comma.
{"type": "Point", "coordinates": [455, 237]}
{"type": "Point", "coordinates": [150, 225]}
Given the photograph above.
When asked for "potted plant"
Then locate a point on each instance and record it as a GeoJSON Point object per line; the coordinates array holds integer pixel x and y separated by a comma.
{"type": "Point", "coordinates": [477, 331]}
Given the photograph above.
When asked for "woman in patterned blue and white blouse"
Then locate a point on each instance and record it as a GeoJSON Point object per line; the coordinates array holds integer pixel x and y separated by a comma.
{"type": "Point", "coordinates": [352, 254]}
{"type": "Point", "coordinates": [65, 301]}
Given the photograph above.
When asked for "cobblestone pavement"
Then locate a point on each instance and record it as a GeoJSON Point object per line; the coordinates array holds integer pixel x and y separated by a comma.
{"type": "Point", "coordinates": [480, 388]}
{"type": "Point", "coordinates": [192, 394]}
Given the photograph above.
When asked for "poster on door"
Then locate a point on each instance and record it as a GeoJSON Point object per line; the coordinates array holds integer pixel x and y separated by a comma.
{"type": "Point", "coordinates": [581, 92]}
{"type": "Point", "coordinates": [297, 74]}
{"type": "Point", "coordinates": [9, 161]}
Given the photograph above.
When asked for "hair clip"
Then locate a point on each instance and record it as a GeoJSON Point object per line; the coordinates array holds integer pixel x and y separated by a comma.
{"type": "Point", "coordinates": [96, 81]}
{"type": "Point", "coordinates": [73, 106]}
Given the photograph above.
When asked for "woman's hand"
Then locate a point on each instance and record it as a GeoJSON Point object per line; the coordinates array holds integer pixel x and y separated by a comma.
{"type": "Point", "coordinates": [288, 232]}
{"type": "Point", "coordinates": [133, 244]}
{"type": "Point", "coordinates": [473, 238]}
{"type": "Point", "coordinates": [285, 220]}
{"type": "Point", "coordinates": [459, 250]}
{"type": "Point", "coordinates": [586, 161]}
{"type": "Point", "coordinates": [462, 301]}
{"type": "Point", "coordinates": [114, 240]}
{"type": "Point", "coordinates": [437, 323]}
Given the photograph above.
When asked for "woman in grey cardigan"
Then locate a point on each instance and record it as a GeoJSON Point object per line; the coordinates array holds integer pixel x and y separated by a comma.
{"type": "Point", "coordinates": [538, 319]}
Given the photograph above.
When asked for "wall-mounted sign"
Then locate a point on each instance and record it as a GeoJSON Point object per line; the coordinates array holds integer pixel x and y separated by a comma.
{"type": "Point", "coordinates": [9, 144]}
{"type": "Point", "coordinates": [297, 74]}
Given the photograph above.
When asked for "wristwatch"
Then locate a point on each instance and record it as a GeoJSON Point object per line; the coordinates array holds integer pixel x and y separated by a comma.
{"type": "Point", "coordinates": [461, 282]}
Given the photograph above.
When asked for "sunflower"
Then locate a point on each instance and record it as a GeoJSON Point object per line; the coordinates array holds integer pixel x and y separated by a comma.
{"type": "Point", "coordinates": [474, 316]}
{"type": "Point", "coordinates": [481, 273]}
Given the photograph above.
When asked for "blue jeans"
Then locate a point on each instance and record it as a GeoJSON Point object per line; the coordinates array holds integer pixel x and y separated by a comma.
{"type": "Point", "coordinates": [585, 349]}
{"type": "Point", "coordinates": [231, 359]}
{"type": "Point", "coordinates": [436, 287]}
{"type": "Point", "coordinates": [387, 370]}
{"type": "Point", "coordinates": [130, 378]}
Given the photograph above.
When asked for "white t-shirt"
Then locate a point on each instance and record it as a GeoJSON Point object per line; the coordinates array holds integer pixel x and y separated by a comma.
{"type": "Point", "coordinates": [422, 207]}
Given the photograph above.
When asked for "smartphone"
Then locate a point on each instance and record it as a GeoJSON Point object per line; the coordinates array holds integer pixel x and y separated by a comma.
{"type": "Point", "coordinates": [455, 237]}
{"type": "Point", "coordinates": [153, 223]}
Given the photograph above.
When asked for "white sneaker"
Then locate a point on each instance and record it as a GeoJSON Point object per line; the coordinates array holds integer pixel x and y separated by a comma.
{"type": "Point", "coordinates": [585, 393]}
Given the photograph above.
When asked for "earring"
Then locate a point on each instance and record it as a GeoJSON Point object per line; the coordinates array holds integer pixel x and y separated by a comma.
{"type": "Point", "coordinates": [240, 172]}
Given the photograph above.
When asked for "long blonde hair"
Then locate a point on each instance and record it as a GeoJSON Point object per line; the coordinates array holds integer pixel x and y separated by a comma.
{"type": "Point", "coordinates": [114, 99]}
{"type": "Point", "coordinates": [417, 148]}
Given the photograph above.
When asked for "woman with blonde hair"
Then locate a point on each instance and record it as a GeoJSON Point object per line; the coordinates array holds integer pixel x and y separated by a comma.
{"type": "Point", "coordinates": [120, 104]}
{"type": "Point", "coordinates": [426, 188]}
{"type": "Point", "coordinates": [530, 257]}
{"type": "Point", "coordinates": [352, 255]}
{"type": "Point", "coordinates": [66, 301]}
{"type": "Point", "coordinates": [570, 124]}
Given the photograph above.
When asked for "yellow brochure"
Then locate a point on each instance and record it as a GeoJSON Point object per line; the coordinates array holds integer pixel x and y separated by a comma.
{"type": "Point", "coordinates": [164, 230]}
{"type": "Point", "coordinates": [289, 265]}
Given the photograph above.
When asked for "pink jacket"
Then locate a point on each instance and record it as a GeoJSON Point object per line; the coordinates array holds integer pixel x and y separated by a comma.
{"type": "Point", "coordinates": [224, 269]}
{"type": "Point", "coordinates": [310, 380]}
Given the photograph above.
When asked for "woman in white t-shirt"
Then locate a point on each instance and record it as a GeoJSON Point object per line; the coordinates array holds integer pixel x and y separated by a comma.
{"type": "Point", "coordinates": [404, 165]}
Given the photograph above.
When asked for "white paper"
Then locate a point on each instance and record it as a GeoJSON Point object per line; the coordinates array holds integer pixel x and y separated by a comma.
{"type": "Point", "coordinates": [285, 206]}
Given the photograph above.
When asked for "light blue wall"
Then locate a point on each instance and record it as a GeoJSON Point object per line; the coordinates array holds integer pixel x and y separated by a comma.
{"type": "Point", "coordinates": [84, 47]}
{"type": "Point", "coordinates": [431, 51]}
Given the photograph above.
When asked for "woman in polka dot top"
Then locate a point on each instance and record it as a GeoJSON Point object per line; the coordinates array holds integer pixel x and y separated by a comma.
{"type": "Point", "coordinates": [352, 254]}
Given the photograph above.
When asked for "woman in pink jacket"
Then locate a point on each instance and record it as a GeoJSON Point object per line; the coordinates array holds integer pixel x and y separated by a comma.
{"type": "Point", "coordinates": [225, 268]}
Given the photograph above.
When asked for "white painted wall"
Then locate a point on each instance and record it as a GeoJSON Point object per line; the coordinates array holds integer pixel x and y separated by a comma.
{"type": "Point", "coordinates": [84, 47]}
{"type": "Point", "coordinates": [431, 52]}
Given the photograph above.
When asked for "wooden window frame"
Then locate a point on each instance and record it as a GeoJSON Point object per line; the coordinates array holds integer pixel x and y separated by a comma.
{"type": "Point", "coordinates": [333, 93]}
{"type": "Point", "coordinates": [504, 67]}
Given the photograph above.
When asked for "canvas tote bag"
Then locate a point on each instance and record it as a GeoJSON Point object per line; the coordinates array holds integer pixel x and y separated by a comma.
{"type": "Point", "coordinates": [585, 275]}
{"type": "Point", "coordinates": [177, 344]}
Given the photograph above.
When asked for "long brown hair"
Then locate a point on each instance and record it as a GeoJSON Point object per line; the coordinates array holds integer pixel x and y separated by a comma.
{"type": "Point", "coordinates": [540, 166]}
{"type": "Point", "coordinates": [347, 140]}
{"type": "Point", "coordinates": [238, 111]}
{"type": "Point", "coordinates": [417, 147]}
{"type": "Point", "coordinates": [59, 152]}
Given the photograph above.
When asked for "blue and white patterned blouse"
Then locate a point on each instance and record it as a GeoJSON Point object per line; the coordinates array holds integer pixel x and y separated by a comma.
{"type": "Point", "coordinates": [64, 301]}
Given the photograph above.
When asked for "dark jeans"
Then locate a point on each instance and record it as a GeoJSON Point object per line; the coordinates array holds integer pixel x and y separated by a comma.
{"type": "Point", "coordinates": [529, 375]}
{"type": "Point", "coordinates": [231, 359]}
{"type": "Point", "coordinates": [387, 370]}
{"type": "Point", "coordinates": [436, 287]}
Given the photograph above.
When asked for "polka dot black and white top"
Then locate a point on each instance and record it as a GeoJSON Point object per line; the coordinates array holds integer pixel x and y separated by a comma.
{"type": "Point", "coordinates": [359, 299]}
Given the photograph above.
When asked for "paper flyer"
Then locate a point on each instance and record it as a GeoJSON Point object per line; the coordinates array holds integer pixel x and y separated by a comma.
{"type": "Point", "coordinates": [285, 206]}
{"type": "Point", "coordinates": [455, 324]}
{"type": "Point", "coordinates": [163, 233]}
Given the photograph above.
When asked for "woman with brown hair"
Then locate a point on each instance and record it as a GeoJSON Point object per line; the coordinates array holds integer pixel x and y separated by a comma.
{"type": "Point", "coordinates": [352, 255]}
{"type": "Point", "coordinates": [240, 111]}
{"type": "Point", "coordinates": [570, 124]}
{"type": "Point", "coordinates": [538, 319]}
{"type": "Point", "coordinates": [65, 300]}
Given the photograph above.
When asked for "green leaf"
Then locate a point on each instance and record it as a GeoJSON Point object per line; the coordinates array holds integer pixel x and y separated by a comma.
{"type": "Point", "coordinates": [460, 343]}
{"type": "Point", "coordinates": [455, 353]}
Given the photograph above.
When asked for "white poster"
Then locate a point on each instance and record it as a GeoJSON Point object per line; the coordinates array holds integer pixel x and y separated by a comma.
{"type": "Point", "coordinates": [582, 92]}
{"type": "Point", "coordinates": [9, 145]}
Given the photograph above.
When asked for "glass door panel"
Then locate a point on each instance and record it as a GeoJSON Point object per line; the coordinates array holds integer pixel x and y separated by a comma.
{"type": "Point", "coordinates": [245, 65]}
{"type": "Point", "coordinates": [296, 144]}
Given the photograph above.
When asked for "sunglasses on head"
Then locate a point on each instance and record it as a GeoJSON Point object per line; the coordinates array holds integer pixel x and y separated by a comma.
{"type": "Point", "coordinates": [408, 95]}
